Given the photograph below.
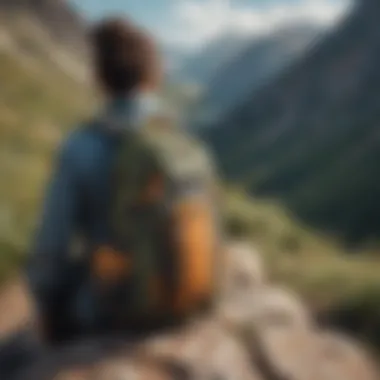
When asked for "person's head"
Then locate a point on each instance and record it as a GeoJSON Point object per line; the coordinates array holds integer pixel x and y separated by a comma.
{"type": "Point", "coordinates": [125, 57]}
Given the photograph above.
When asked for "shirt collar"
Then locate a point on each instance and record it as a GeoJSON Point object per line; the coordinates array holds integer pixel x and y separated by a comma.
{"type": "Point", "coordinates": [132, 112]}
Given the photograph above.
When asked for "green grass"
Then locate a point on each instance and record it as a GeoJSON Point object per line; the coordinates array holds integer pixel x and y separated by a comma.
{"type": "Point", "coordinates": [37, 106]}
{"type": "Point", "coordinates": [342, 288]}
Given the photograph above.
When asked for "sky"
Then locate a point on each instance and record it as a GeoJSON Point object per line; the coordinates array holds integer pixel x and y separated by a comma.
{"type": "Point", "coordinates": [187, 25]}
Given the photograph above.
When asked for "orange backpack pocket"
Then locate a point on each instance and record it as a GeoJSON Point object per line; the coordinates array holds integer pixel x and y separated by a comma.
{"type": "Point", "coordinates": [109, 265]}
{"type": "Point", "coordinates": [194, 226]}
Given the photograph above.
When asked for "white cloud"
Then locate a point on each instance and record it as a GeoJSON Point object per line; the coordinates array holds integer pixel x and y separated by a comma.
{"type": "Point", "coordinates": [191, 23]}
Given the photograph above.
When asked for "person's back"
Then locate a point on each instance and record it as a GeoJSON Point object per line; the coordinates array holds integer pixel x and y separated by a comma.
{"type": "Point", "coordinates": [175, 244]}
{"type": "Point", "coordinates": [75, 218]}
{"type": "Point", "coordinates": [127, 69]}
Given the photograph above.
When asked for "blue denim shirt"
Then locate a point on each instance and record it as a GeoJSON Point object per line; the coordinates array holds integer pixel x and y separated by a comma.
{"type": "Point", "coordinates": [76, 202]}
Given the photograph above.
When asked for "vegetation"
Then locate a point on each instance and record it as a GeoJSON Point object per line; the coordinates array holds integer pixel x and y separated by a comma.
{"type": "Point", "coordinates": [36, 106]}
{"type": "Point", "coordinates": [342, 289]}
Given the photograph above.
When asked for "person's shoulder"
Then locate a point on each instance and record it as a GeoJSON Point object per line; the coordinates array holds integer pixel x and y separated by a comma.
{"type": "Point", "coordinates": [71, 141]}
{"type": "Point", "coordinates": [75, 143]}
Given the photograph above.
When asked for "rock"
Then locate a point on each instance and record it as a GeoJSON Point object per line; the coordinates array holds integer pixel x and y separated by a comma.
{"type": "Point", "coordinates": [284, 354]}
{"type": "Point", "coordinates": [73, 374]}
{"type": "Point", "coordinates": [126, 369]}
{"type": "Point", "coordinates": [97, 359]}
{"type": "Point", "coordinates": [341, 358]}
{"type": "Point", "coordinates": [129, 369]}
{"type": "Point", "coordinates": [203, 350]}
{"type": "Point", "coordinates": [207, 350]}
{"type": "Point", "coordinates": [265, 306]}
{"type": "Point", "coordinates": [243, 269]}
{"type": "Point", "coordinates": [277, 330]}
{"type": "Point", "coordinates": [16, 306]}
{"type": "Point", "coordinates": [259, 331]}
{"type": "Point", "coordinates": [279, 307]}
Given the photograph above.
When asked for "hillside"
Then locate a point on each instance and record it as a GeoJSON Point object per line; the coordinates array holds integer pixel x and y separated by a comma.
{"type": "Point", "coordinates": [341, 290]}
{"type": "Point", "coordinates": [199, 68]}
{"type": "Point", "coordinates": [64, 25]}
{"type": "Point", "coordinates": [39, 75]}
{"type": "Point", "coordinates": [47, 30]}
{"type": "Point", "coordinates": [256, 64]}
{"type": "Point", "coordinates": [311, 137]}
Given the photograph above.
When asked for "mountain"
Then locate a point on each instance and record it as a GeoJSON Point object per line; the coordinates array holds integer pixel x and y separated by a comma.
{"type": "Point", "coordinates": [45, 29]}
{"type": "Point", "coordinates": [44, 91]}
{"type": "Point", "coordinates": [255, 64]}
{"type": "Point", "coordinates": [200, 67]}
{"type": "Point", "coordinates": [63, 24]}
{"type": "Point", "coordinates": [311, 138]}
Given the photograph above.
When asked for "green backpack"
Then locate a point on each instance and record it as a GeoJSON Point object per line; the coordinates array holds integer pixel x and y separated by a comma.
{"type": "Point", "coordinates": [162, 260]}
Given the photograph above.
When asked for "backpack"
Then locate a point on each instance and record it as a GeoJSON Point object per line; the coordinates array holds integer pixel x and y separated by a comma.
{"type": "Point", "coordinates": [161, 261]}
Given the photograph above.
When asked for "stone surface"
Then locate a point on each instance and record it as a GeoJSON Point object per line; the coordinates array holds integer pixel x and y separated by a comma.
{"type": "Point", "coordinates": [259, 331]}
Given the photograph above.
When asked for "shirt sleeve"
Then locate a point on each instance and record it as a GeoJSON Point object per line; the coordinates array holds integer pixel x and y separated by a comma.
{"type": "Point", "coordinates": [49, 265]}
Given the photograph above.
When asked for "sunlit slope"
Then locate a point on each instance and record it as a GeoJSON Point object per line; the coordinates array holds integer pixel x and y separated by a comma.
{"type": "Point", "coordinates": [39, 101]}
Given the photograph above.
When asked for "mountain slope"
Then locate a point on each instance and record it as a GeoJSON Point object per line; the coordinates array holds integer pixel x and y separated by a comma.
{"type": "Point", "coordinates": [63, 24]}
{"type": "Point", "coordinates": [311, 138]}
{"type": "Point", "coordinates": [201, 67]}
{"type": "Point", "coordinates": [43, 92]}
{"type": "Point", "coordinates": [256, 64]}
{"type": "Point", "coordinates": [45, 30]}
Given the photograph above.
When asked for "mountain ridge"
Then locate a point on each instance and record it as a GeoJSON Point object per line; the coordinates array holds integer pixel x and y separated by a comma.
{"type": "Point", "coordinates": [64, 24]}
{"type": "Point", "coordinates": [47, 31]}
{"type": "Point", "coordinates": [259, 62]}
{"type": "Point", "coordinates": [285, 141]}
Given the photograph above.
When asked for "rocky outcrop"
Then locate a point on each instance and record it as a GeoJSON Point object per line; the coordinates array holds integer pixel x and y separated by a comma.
{"type": "Point", "coordinates": [260, 331]}
{"type": "Point", "coordinates": [16, 308]}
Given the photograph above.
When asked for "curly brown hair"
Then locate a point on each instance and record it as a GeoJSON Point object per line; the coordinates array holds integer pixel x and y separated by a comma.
{"type": "Point", "coordinates": [125, 57]}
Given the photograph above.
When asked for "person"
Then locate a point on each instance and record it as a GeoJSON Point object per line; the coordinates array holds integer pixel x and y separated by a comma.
{"type": "Point", "coordinates": [128, 71]}
{"type": "Point", "coordinates": [173, 267]}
